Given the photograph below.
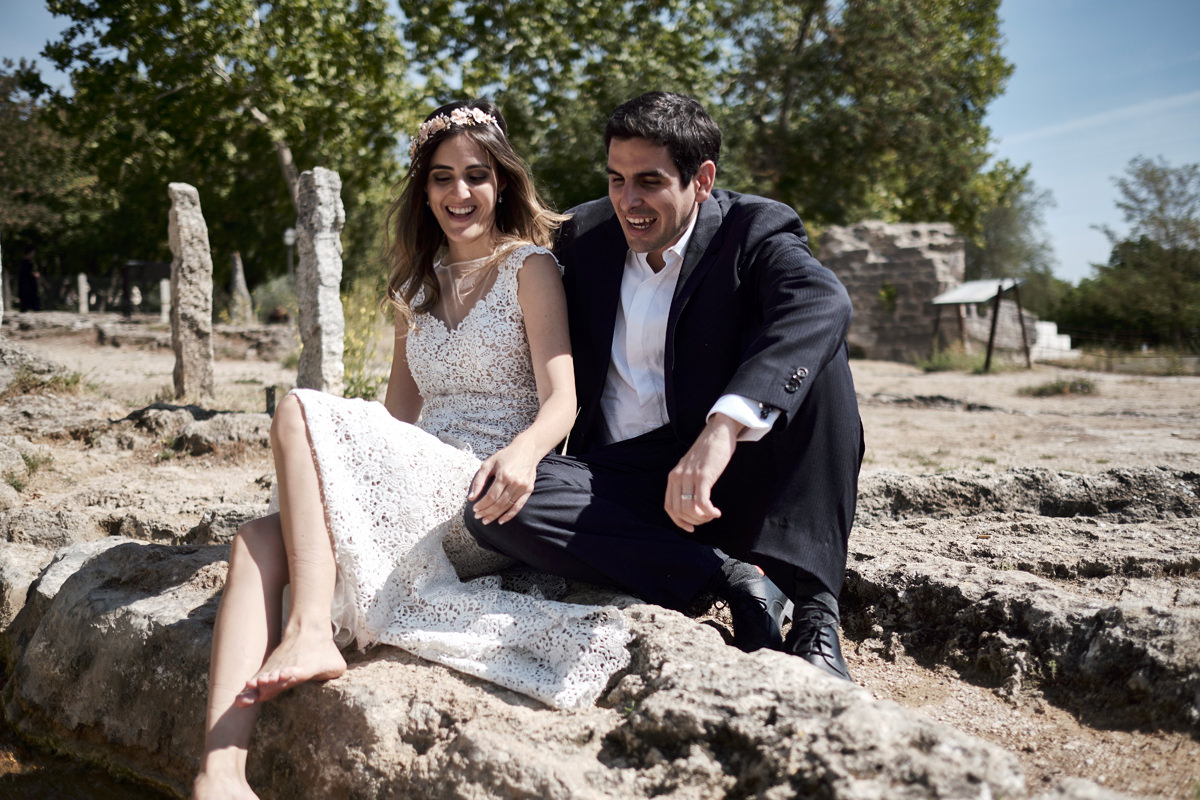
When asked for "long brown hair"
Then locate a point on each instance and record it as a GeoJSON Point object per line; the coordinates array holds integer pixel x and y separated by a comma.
{"type": "Point", "coordinates": [415, 237]}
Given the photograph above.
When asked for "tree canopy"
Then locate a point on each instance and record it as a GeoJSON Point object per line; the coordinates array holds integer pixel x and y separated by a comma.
{"type": "Point", "coordinates": [847, 110]}
{"type": "Point", "coordinates": [558, 68]}
{"type": "Point", "coordinates": [231, 96]}
{"type": "Point", "coordinates": [864, 108]}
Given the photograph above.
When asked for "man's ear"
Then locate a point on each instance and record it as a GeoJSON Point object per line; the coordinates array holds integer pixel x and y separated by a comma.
{"type": "Point", "coordinates": [706, 176]}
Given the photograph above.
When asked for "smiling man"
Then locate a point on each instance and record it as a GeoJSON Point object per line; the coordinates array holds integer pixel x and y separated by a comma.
{"type": "Point", "coordinates": [718, 443]}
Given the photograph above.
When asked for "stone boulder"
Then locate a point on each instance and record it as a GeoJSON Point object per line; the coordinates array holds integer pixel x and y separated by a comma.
{"type": "Point", "coordinates": [110, 665]}
{"type": "Point", "coordinates": [1080, 585]}
{"type": "Point", "coordinates": [221, 430]}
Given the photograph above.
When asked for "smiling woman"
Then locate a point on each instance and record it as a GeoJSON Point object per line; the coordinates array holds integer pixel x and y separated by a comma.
{"type": "Point", "coordinates": [463, 192]}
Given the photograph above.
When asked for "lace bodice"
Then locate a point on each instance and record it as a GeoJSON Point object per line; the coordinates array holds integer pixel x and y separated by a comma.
{"type": "Point", "coordinates": [476, 379]}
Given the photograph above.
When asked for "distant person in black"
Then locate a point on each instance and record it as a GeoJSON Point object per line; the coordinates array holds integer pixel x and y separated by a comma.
{"type": "Point", "coordinates": [28, 277]}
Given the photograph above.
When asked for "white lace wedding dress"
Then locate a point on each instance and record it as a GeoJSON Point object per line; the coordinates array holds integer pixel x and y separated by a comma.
{"type": "Point", "coordinates": [394, 495]}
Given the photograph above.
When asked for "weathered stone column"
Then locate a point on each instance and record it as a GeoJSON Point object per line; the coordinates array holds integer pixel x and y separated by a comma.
{"type": "Point", "coordinates": [241, 307]}
{"type": "Point", "coordinates": [318, 280]}
{"type": "Point", "coordinates": [191, 294]}
{"type": "Point", "coordinates": [85, 292]}
{"type": "Point", "coordinates": [164, 298]}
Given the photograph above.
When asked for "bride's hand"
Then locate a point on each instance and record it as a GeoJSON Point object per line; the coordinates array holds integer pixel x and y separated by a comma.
{"type": "Point", "coordinates": [511, 472]}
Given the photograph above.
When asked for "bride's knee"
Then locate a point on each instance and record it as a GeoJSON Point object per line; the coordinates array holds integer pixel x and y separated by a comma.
{"type": "Point", "coordinates": [288, 425]}
{"type": "Point", "coordinates": [260, 541]}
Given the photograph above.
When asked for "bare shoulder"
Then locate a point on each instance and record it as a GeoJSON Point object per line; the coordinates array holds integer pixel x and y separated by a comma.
{"type": "Point", "coordinates": [539, 265]}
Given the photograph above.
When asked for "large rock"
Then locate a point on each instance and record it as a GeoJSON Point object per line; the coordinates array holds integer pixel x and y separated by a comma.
{"type": "Point", "coordinates": [112, 668]}
{"type": "Point", "coordinates": [1084, 585]}
{"type": "Point", "coordinates": [20, 566]}
{"type": "Point", "coordinates": [205, 436]}
{"type": "Point", "coordinates": [48, 528]}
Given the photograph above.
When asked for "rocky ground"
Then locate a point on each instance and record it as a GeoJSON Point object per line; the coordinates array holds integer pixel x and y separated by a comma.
{"type": "Point", "coordinates": [1025, 569]}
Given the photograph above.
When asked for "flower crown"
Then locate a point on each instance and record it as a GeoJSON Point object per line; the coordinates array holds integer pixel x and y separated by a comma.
{"type": "Point", "coordinates": [463, 117]}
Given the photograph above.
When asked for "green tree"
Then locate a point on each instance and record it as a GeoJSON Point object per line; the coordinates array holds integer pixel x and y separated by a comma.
{"type": "Point", "coordinates": [865, 108]}
{"type": "Point", "coordinates": [557, 69]}
{"type": "Point", "coordinates": [1012, 240]}
{"type": "Point", "coordinates": [1146, 294]}
{"type": "Point", "coordinates": [1149, 291]}
{"type": "Point", "coordinates": [232, 96]}
{"type": "Point", "coordinates": [47, 191]}
{"type": "Point", "coordinates": [1160, 202]}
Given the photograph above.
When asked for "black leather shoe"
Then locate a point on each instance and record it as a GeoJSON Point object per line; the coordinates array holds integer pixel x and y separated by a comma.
{"type": "Point", "coordinates": [759, 610]}
{"type": "Point", "coordinates": [814, 637]}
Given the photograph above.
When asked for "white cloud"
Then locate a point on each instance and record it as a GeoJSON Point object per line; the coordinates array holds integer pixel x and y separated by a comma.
{"type": "Point", "coordinates": [1137, 111]}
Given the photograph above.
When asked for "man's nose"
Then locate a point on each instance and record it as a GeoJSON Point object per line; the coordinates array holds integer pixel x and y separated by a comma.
{"type": "Point", "coordinates": [630, 196]}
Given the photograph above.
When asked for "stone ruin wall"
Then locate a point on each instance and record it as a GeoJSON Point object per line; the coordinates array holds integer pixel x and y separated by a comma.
{"type": "Point", "coordinates": [892, 271]}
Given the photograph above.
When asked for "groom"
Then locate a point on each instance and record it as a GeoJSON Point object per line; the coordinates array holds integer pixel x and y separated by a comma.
{"type": "Point", "coordinates": [718, 444]}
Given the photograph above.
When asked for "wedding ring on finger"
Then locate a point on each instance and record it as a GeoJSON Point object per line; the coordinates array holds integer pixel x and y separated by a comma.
{"type": "Point", "coordinates": [686, 496]}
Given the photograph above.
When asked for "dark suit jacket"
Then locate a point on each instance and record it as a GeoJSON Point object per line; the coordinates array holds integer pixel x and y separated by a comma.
{"type": "Point", "coordinates": [754, 314]}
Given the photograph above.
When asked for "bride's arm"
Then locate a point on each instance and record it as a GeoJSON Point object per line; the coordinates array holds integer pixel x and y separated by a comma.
{"type": "Point", "coordinates": [403, 400]}
{"type": "Point", "coordinates": [512, 470]}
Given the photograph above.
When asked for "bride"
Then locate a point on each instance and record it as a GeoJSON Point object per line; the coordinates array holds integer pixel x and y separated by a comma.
{"type": "Point", "coordinates": [370, 496]}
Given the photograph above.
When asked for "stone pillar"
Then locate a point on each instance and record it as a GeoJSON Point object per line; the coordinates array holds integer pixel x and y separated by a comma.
{"type": "Point", "coordinates": [241, 307]}
{"type": "Point", "coordinates": [85, 291]}
{"type": "Point", "coordinates": [164, 296]}
{"type": "Point", "coordinates": [191, 294]}
{"type": "Point", "coordinates": [318, 280]}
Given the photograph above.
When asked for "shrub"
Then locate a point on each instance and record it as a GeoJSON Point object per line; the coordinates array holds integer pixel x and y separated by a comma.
{"type": "Point", "coordinates": [1059, 387]}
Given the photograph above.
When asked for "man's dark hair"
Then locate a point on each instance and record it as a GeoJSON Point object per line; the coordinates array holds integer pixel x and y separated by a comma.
{"type": "Point", "coordinates": [669, 120]}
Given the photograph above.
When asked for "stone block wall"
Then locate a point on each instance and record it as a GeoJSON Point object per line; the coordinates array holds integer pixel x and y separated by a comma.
{"type": "Point", "coordinates": [892, 271]}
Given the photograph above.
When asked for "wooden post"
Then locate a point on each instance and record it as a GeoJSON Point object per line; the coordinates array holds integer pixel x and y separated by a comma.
{"type": "Point", "coordinates": [937, 321]}
{"type": "Point", "coordinates": [987, 362]}
{"type": "Point", "coordinates": [1021, 319]}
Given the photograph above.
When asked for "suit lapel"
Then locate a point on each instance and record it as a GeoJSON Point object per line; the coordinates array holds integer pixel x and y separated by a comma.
{"type": "Point", "coordinates": [699, 258]}
{"type": "Point", "coordinates": [599, 256]}
{"type": "Point", "coordinates": [604, 254]}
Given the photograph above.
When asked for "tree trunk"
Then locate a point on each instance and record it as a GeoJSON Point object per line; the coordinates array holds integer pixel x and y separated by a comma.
{"type": "Point", "coordinates": [287, 164]}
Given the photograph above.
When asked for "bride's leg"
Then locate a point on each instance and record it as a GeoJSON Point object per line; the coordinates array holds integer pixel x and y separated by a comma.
{"type": "Point", "coordinates": [247, 625]}
{"type": "Point", "coordinates": [306, 650]}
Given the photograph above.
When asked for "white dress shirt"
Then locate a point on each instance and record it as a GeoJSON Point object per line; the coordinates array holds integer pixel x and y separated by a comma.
{"type": "Point", "coordinates": [634, 400]}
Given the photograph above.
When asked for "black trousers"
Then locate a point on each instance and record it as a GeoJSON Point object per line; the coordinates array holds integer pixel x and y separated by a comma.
{"type": "Point", "coordinates": [599, 518]}
{"type": "Point", "coordinates": [787, 504]}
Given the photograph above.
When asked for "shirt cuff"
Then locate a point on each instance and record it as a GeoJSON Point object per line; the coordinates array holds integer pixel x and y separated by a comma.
{"type": "Point", "coordinates": [757, 418]}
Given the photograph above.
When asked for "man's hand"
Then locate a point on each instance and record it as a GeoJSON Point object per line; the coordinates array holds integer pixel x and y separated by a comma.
{"type": "Point", "coordinates": [689, 484]}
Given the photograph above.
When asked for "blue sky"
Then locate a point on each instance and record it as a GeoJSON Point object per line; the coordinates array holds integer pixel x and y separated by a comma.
{"type": "Point", "coordinates": [1097, 82]}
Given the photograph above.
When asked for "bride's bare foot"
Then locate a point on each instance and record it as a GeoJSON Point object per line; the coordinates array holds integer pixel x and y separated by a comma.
{"type": "Point", "coordinates": [218, 787]}
{"type": "Point", "coordinates": [300, 657]}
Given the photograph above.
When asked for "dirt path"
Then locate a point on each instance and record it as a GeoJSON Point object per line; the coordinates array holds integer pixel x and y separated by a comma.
{"type": "Point", "coordinates": [916, 423]}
